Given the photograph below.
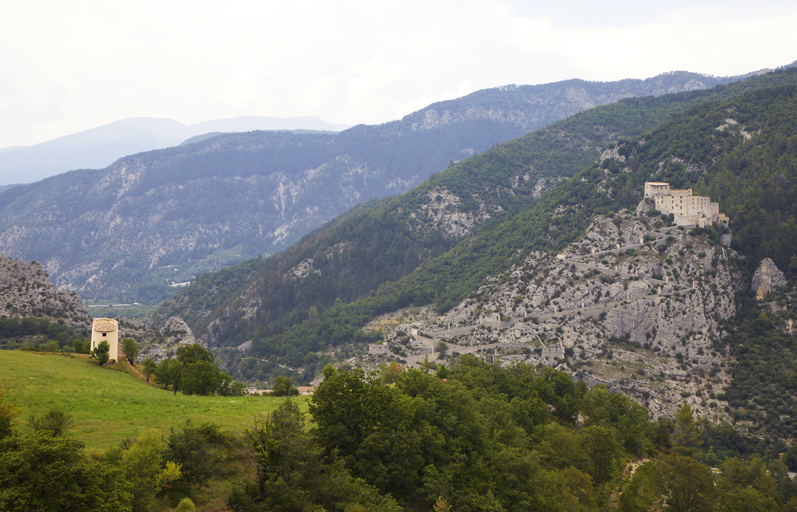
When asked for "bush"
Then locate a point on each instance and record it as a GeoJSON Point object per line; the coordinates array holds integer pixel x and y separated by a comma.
{"type": "Point", "coordinates": [56, 420]}
{"type": "Point", "coordinates": [101, 353]}
{"type": "Point", "coordinates": [186, 505]}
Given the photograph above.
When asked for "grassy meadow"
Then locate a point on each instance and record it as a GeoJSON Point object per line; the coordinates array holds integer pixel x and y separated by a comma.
{"type": "Point", "coordinates": [109, 403]}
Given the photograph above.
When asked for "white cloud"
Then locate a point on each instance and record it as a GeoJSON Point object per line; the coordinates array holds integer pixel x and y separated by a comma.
{"type": "Point", "coordinates": [69, 66]}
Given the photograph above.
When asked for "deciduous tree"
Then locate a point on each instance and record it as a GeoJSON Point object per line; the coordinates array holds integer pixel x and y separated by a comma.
{"type": "Point", "coordinates": [149, 367]}
{"type": "Point", "coordinates": [39, 471]}
{"type": "Point", "coordinates": [686, 484]}
{"type": "Point", "coordinates": [169, 372]}
{"type": "Point", "coordinates": [143, 464]}
{"type": "Point", "coordinates": [190, 354]}
{"type": "Point", "coordinates": [200, 378]}
{"type": "Point", "coordinates": [129, 349]}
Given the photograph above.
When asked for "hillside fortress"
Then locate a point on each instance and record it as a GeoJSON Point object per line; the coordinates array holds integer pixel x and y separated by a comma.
{"type": "Point", "coordinates": [686, 208]}
{"type": "Point", "coordinates": [106, 329]}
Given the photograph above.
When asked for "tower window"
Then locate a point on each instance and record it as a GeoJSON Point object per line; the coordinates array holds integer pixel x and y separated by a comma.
{"type": "Point", "coordinates": [103, 335]}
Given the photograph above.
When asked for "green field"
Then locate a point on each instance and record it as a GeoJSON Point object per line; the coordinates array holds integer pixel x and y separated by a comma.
{"type": "Point", "coordinates": [109, 404]}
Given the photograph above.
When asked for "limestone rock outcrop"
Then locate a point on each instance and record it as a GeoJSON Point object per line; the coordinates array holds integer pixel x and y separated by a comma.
{"type": "Point", "coordinates": [177, 331]}
{"type": "Point", "coordinates": [767, 276]}
{"type": "Point", "coordinates": [174, 333]}
{"type": "Point", "coordinates": [628, 305]}
{"type": "Point", "coordinates": [26, 291]}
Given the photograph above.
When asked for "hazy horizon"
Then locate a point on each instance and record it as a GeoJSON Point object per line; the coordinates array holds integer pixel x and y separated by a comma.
{"type": "Point", "coordinates": [72, 67]}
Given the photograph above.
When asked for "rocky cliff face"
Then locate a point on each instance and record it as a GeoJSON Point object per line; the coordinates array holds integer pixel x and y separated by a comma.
{"type": "Point", "coordinates": [26, 291]}
{"type": "Point", "coordinates": [633, 307]}
{"type": "Point", "coordinates": [767, 276]}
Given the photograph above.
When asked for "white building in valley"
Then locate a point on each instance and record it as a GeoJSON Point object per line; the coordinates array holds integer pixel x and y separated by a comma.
{"type": "Point", "coordinates": [686, 208]}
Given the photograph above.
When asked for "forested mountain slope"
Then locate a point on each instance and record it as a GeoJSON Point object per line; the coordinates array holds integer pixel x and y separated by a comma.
{"type": "Point", "coordinates": [128, 231]}
{"type": "Point", "coordinates": [662, 314]}
{"type": "Point", "coordinates": [287, 305]}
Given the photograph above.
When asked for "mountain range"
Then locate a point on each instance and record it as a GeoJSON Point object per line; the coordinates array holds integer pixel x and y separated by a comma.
{"type": "Point", "coordinates": [101, 146]}
{"type": "Point", "coordinates": [541, 250]}
{"type": "Point", "coordinates": [130, 230]}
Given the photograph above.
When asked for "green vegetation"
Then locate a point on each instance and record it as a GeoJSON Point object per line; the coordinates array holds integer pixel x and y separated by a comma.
{"type": "Point", "coordinates": [194, 373]}
{"type": "Point", "coordinates": [101, 352]}
{"type": "Point", "coordinates": [380, 257]}
{"type": "Point", "coordinates": [764, 386]}
{"type": "Point", "coordinates": [485, 437]}
{"type": "Point", "coordinates": [15, 331]}
{"type": "Point", "coordinates": [109, 404]}
{"type": "Point", "coordinates": [222, 191]}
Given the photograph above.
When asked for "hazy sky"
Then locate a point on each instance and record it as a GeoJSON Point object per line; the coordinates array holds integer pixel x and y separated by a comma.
{"type": "Point", "coordinates": [67, 66]}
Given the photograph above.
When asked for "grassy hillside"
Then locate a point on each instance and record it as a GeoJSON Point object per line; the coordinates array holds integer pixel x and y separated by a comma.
{"type": "Point", "coordinates": [109, 404]}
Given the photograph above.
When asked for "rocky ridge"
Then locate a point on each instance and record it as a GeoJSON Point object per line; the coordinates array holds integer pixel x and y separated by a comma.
{"type": "Point", "coordinates": [629, 305]}
{"type": "Point", "coordinates": [184, 211]}
{"type": "Point", "coordinates": [26, 291]}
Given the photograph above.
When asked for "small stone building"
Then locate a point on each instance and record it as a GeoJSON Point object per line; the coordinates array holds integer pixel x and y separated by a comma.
{"type": "Point", "coordinates": [106, 329]}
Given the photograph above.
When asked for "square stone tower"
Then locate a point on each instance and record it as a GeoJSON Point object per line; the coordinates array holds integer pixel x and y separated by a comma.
{"type": "Point", "coordinates": [106, 329]}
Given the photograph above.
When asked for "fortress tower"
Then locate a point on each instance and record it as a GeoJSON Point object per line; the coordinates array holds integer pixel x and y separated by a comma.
{"type": "Point", "coordinates": [686, 208]}
{"type": "Point", "coordinates": [106, 329]}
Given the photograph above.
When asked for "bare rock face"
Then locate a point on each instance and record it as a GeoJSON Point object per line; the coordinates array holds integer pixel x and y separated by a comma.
{"type": "Point", "coordinates": [630, 306]}
{"type": "Point", "coordinates": [766, 278]}
{"type": "Point", "coordinates": [26, 291]}
{"type": "Point", "coordinates": [177, 331]}
{"type": "Point", "coordinates": [162, 344]}
{"type": "Point", "coordinates": [645, 205]}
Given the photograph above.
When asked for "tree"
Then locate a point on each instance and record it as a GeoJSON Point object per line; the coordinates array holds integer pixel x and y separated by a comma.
{"type": "Point", "coordinates": [8, 415]}
{"type": "Point", "coordinates": [194, 449]}
{"type": "Point", "coordinates": [200, 378]}
{"type": "Point", "coordinates": [143, 465]}
{"type": "Point", "coordinates": [603, 450]}
{"type": "Point", "coordinates": [190, 354]}
{"type": "Point", "coordinates": [283, 386]}
{"type": "Point", "coordinates": [391, 372]}
{"type": "Point", "coordinates": [291, 475]}
{"type": "Point", "coordinates": [39, 471]}
{"type": "Point", "coordinates": [56, 420]}
{"type": "Point", "coordinates": [347, 407]}
{"type": "Point", "coordinates": [101, 353]}
{"type": "Point", "coordinates": [441, 505]}
{"type": "Point", "coordinates": [149, 367]}
{"type": "Point", "coordinates": [79, 346]}
{"type": "Point", "coordinates": [686, 484]}
{"type": "Point", "coordinates": [170, 371]}
{"type": "Point", "coordinates": [687, 428]}
{"type": "Point", "coordinates": [129, 349]}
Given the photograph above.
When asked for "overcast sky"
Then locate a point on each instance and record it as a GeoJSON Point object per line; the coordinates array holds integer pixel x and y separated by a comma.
{"type": "Point", "coordinates": [67, 66]}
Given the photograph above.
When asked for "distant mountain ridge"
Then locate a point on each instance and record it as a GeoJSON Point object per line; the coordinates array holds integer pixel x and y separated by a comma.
{"type": "Point", "coordinates": [99, 147]}
{"type": "Point", "coordinates": [128, 231]}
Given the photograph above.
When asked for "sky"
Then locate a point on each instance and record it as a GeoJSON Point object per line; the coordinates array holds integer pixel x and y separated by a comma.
{"type": "Point", "coordinates": [72, 65]}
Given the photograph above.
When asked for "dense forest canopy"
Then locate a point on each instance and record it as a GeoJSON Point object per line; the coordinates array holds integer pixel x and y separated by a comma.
{"type": "Point", "coordinates": [474, 437]}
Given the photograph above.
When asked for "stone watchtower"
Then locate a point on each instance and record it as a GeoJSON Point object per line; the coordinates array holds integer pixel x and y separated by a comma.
{"type": "Point", "coordinates": [106, 329]}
